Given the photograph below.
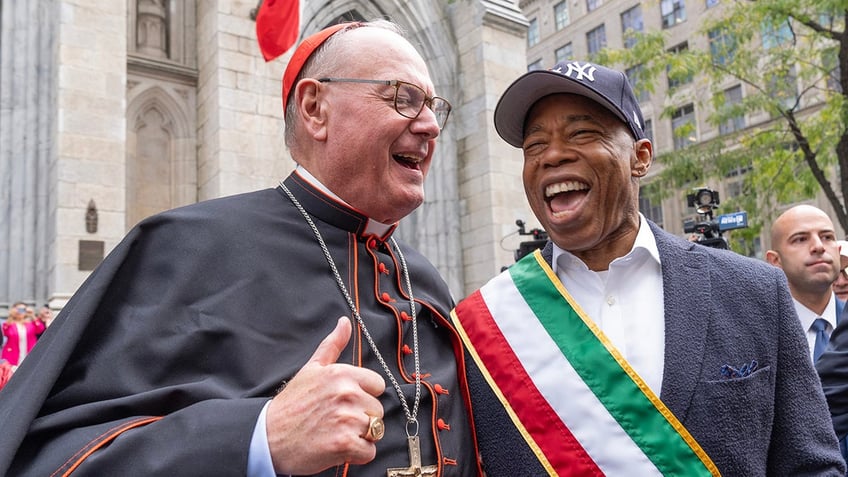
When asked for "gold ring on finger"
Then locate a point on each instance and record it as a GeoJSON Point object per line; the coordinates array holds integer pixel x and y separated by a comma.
{"type": "Point", "coordinates": [376, 429]}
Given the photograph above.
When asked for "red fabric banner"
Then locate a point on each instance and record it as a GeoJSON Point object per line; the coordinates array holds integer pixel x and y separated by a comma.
{"type": "Point", "coordinates": [277, 26]}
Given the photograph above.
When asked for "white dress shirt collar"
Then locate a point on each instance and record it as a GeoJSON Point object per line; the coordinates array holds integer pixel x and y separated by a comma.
{"type": "Point", "coordinates": [644, 240]}
{"type": "Point", "coordinates": [807, 316]}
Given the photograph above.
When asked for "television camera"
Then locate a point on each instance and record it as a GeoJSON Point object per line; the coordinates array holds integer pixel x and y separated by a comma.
{"type": "Point", "coordinates": [709, 230]}
{"type": "Point", "coordinates": [540, 237]}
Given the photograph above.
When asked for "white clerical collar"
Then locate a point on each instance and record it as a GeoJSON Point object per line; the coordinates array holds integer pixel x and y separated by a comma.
{"type": "Point", "coordinates": [373, 227]}
{"type": "Point", "coordinates": [645, 240]}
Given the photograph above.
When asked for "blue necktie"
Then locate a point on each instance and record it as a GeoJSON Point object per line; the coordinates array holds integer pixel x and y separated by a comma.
{"type": "Point", "coordinates": [820, 327]}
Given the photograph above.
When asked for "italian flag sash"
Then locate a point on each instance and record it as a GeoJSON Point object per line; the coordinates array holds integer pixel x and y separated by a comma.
{"type": "Point", "coordinates": [579, 405]}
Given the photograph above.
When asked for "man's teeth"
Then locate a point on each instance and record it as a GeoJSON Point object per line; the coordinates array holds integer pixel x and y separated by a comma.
{"type": "Point", "coordinates": [413, 159]}
{"type": "Point", "coordinates": [567, 186]}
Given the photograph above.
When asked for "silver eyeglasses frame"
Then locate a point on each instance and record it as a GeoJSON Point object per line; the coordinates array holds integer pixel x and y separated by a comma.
{"type": "Point", "coordinates": [440, 106]}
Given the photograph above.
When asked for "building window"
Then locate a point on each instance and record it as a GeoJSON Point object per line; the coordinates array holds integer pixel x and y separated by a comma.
{"type": "Point", "coordinates": [561, 15]}
{"type": "Point", "coordinates": [533, 33]}
{"type": "Point", "coordinates": [732, 98]}
{"type": "Point", "coordinates": [649, 130]}
{"type": "Point", "coordinates": [722, 45]}
{"type": "Point", "coordinates": [785, 88]}
{"type": "Point", "coordinates": [673, 12]}
{"type": "Point", "coordinates": [739, 172]}
{"type": "Point", "coordinates": [776, 35]}
{"type": "Point", "coordinates": [733, 189]}
{"type": "Point", "coordinates": [593, 4]}
{"type": "Point", "coordinates": [683, 126]}
{"type": "Point", "coordinates": [827, 20]}
{"type": "Point", "coordinates": [652, 211]}
{"type": "Point", "coordinates": [757, 249]}
{"type": "Point", "coordinates": [830, 63]}
{"type": "Point", "coordinates": [536, 65]}
{"type": "Point", "coordinates": [596, 39]}
{"type": "Point", "coordinates": [631, 23]}
{"type": "Point", "coordinates": [564, 53]}
{"type": "Point", "coordinates": [634, 76]}
{"type": "Point", "coordinates": [675, 78]}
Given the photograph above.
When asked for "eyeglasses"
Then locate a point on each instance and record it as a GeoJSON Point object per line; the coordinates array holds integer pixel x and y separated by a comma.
{"type": "Point", "coordinates": [409, 99]}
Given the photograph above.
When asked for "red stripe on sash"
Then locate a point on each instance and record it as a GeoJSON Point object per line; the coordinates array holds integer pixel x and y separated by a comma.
{"type": "Point", "coordinates": [560, 447]}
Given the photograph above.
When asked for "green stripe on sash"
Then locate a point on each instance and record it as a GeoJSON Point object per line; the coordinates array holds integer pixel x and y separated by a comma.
{"type": "Point", "coordinates": [626, 397]}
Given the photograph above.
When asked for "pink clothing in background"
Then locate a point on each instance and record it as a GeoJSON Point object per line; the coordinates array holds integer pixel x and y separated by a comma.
{"type": "Point", "coordinates": [6, 371]}
{"type": "Point", "coordinates": [20, 338]}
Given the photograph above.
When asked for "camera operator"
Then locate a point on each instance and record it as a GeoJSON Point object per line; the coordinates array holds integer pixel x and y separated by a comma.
{"type": "Point", "coordinates": [706, 231]}
{"type": "Point", "coordinates": [540, 238]}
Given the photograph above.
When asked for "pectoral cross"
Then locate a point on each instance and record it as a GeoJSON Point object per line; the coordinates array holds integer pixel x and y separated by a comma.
{"type": "Point", "coordinates": [414, 469]}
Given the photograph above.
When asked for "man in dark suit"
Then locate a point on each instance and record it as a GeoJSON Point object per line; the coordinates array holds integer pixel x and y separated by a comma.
{"type": "Point", "coordinates": [621, 349]}
{"type": "Point", "coordinates": [804, 246]}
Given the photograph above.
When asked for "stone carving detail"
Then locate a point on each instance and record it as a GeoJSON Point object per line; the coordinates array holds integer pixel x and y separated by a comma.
{"type": "Point", "coordinates": [152, 28]}
{"type": "Point", "coordinates": [91, 217]}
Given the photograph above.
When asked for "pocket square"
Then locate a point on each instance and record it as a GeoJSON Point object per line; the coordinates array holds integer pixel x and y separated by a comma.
{"type": "Point", "coordinates": [729, 372]}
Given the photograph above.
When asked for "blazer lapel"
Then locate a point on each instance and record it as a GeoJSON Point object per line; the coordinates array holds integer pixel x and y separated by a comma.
{"type": "Point", "coordinates": [687, 296]}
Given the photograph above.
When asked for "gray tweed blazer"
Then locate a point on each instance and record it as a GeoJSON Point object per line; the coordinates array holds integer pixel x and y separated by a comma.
{"type": "Point", "coordinates": [737, 371]}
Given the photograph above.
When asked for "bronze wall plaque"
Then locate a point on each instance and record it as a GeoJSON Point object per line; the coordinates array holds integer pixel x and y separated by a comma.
{"type": "Point", "coordinates": [90, 254]}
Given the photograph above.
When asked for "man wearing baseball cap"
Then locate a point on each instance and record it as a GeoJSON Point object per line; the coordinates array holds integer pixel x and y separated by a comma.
{"type": "Point", "coordinates": [209, 342]}
{"type": "Point", "coordinates": [621, 349]}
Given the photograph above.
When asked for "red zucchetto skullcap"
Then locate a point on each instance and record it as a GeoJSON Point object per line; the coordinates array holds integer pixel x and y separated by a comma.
{"type": "Point", "coordinates": [302, 54]}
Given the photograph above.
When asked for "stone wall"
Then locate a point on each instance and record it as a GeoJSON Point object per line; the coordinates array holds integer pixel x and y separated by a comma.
{"type": "Point", "coordinates": [140, 106]}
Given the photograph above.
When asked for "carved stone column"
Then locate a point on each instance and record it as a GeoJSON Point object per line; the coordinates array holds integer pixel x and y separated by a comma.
{"type": "Point", "coordinates": [491, 37]}
{"type": "Point", "coordinates": [28, 85]}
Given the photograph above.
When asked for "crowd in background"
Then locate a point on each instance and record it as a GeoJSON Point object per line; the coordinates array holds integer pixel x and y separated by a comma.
{"type": "Point", "coordinates": [21, 330]}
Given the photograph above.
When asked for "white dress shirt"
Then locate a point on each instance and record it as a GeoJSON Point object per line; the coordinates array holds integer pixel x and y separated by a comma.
{"type": "Point", "coordinates": [626, 302]}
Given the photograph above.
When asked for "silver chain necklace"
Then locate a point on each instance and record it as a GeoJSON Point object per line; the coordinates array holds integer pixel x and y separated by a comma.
{"type": "Point", "coordinates": [411, 417]}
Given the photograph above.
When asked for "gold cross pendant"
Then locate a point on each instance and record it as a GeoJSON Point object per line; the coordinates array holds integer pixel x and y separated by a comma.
{"type": "Point", "coordinates": [414, 469]}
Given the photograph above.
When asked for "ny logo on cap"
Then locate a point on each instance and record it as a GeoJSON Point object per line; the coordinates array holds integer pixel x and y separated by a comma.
{"type": "Point", "coordinates": [580, 71]}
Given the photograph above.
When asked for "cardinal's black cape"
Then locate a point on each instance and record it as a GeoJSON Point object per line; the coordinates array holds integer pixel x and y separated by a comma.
{"type": "Point", "coordinates": [163, 359]}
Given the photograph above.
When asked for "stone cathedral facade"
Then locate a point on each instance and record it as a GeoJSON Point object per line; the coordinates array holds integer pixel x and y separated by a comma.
{"type": "Point", "coordinates": [111, 111]}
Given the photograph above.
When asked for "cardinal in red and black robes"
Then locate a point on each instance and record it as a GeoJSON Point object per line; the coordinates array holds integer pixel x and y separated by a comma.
{"type": "Point", "coordinates": [162, 361]}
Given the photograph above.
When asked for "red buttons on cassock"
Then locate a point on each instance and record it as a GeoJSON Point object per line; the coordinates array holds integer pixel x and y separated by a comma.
{"type": "Point", "coordinates": [443, 426]}
{"type": "Point", "coordinates": [439, 389]}
{"type": "Point", "coordinates": [405, 316]}
{"type": "Point", "coordinates": [372, 243]}
{"type": "Point", "coordinates": [385, 297]}
{"type": "Point", "coordinates": [382, 268]}
{"type": "Point", "coordinates": [406, 349]}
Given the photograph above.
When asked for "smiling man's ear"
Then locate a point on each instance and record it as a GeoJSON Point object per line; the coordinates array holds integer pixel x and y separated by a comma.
{"type": "Point", "coordinates": [311, 107]}
{"type": "Point", "coordinates": [644, 154]}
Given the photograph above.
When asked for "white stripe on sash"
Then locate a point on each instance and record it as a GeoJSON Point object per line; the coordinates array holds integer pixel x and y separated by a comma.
{"type": "Point", "coordinates": [598, 432]}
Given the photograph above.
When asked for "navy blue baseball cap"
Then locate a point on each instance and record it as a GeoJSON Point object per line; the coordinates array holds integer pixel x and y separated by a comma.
{"type": "Point", "coordinates": [605, 86]}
